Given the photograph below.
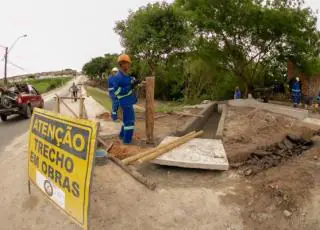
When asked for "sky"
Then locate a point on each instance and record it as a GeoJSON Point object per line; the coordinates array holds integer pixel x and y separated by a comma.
{"type": "Point", "coordinates": [64, 33]}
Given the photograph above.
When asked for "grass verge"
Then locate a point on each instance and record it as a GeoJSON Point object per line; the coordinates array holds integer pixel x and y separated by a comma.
{"type": "Point", "coordinates": [169, 107]}
{"type": "Point", "coordinates": [45, 85]}
{"type": "Point", "coordinates": [100, 97]}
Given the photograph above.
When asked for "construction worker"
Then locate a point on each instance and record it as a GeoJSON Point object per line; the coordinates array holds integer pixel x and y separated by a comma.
{"type": "Point", "coordinates": [114, 99]}
{"type": "Point", "coordinates": [123, 89]}
{"type": "Point", "coordinates": [296, 92]}
{"type": "Point", "coordinates": [237, 93]}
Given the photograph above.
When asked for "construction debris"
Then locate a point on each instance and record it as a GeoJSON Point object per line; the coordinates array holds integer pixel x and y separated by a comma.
{"type": "Point", "coordinates": [273, 155]}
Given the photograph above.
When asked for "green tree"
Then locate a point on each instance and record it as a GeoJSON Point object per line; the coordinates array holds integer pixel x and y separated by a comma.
{"type": "Point", "coordinates": [153, 32]}
{"type": "Point", "coordinates": [96, 67]}
{"type": "Point", "coordinates": [111, 59]}
{"type": "Point", "coordinates": [248, 35]}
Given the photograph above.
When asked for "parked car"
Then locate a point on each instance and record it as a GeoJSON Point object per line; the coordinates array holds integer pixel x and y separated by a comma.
{"type": "Point", "coordinates": [19, 99]}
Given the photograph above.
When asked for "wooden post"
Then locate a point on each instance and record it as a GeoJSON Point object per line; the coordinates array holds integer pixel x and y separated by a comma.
{"type": "Point", "coordinates": [81, 105]}
{"type": "Point", "coordinates": [57, 104]}
{"type": "Point", "coordinates": [150, 83]}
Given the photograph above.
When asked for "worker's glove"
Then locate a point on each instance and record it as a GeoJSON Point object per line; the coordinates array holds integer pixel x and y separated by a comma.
{"type": "Point", "coordinates": [135, 81]}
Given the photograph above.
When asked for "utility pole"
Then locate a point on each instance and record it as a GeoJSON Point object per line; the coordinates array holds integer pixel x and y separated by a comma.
{"type": "Point", "coordinates": [5, 66]}
{"type": "Point", "coordinates": [7, 50]}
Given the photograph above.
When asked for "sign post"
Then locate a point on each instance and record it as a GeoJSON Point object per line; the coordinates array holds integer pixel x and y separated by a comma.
{"type": "Point", "coordinates": [60, 161]}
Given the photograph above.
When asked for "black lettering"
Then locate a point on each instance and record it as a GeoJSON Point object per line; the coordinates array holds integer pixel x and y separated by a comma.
{"type": "Point", "coordinates": [40, 145]}
{"type": "Point", "coordinates": [50, 172]}
{"type": "Point", "coordinates": [34, 159]}
{"type": "Point", "coordinates": [36, 144]}
{"type": "Point", "coordinates": [44, 167]}
{"type": "Point", "coordinates": [52, 155]}
{"type": "Point", "coordinates": [45, 151]}
{"type": "Point", "coordinates": [75, 189]}
{"type": "Point", "coordinates": [59, 159]}
{"type": "Point", "coordinates": [68, 164]}
{"type": "Point", "coordinates": [66, 184]}
{"type": "Point", "coordinates": [58, 178]}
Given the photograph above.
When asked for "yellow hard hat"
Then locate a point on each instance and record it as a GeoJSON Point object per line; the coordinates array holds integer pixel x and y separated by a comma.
{"type": "Point", "coordinates": [124, 58]}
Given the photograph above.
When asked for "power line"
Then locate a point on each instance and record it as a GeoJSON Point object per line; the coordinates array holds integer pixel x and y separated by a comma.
{"type": "Point", "coordinates": [15, 65]}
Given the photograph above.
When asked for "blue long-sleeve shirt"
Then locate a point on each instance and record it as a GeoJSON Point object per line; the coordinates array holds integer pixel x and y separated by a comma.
{"type": "Point", "coordinates": [237, 94]}
{"type": "Point", "coordinates": [111, 81]}
{"type": "Point", "coordinates": [296, 87]}
{"type": "Point", "coordinates": [123, 89]}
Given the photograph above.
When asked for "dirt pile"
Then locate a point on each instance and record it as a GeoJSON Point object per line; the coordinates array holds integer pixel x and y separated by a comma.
{"type": "Point", "coordinates": [246, 129]}
{"type": "Point", "coordinates": [276, 154]}
{"type": "Point", "coordinates": [104, 116]}
{"type": "Point", "coordinates": [122, 151]}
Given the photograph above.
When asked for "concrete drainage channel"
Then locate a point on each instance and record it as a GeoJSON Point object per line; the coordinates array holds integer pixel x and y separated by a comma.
{"type": "Point", "coordinates": [211, 123]}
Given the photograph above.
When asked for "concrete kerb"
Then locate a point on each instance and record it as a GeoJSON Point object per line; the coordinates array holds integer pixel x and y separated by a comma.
{"type": "Point", "coordinates": [224, 112]}
{"type": "Point", "coordinates": [299, 114]}
{"type": "Point", "coordinates": [197, 122]}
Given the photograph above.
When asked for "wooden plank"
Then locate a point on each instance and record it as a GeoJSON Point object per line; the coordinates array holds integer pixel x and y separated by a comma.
{"type": "Point", "coordinates": [57, 99]}
{"type": "Point", "coordinates": [161, 116]}
{"type": "Point", "coordinates": [130, 170]}
{"type": "Point", "coordinates": [168, 147]}
{"type": "Point", "coordinates": [71, 98]}
{"type": "Point", "coordinates": [85, 112]}
{"type": "Point", "coordinates": [187, 114]}
{"type": "Point", "coordinates": [145, 153]}
{"type": "Point", "coordinates": [150, 83]}
{"type": "Point", "coordinates": [81, 112]}
{"type": "Point", "coordinates": [73, 113]}
{"type": "Point", "coordinates": [134, 173]}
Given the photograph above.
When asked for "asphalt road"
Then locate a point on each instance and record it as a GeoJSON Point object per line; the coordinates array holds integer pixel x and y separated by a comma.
{"type": "Point", "coordinates": [15, 126]}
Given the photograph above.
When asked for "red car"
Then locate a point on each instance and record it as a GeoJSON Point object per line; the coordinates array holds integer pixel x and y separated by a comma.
{"type": "Point", "coordinates": [19, 99]}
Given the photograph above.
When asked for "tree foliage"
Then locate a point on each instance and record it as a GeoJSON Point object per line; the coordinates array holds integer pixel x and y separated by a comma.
{"type": "Point", "coordinates": [99, 66]}
{"type": "Point", "coordinates": [153, 32]}
{"type": "Point", "coordinates": [200, 49]}
{"type": "Point", "coordinates": [249, 35]}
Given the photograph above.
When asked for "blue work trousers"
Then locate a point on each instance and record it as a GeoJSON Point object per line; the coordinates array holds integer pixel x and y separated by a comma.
{"type": "Point", "coordinates": [127, 128]}
{"type": "Point", "coordinates": [296, 97]}
{"type": "Point", "coordinates": [115, 107]}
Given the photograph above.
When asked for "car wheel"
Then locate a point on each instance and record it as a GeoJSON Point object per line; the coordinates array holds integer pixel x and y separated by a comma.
{"type": "Point", "coordinates": [41, 105]}
{"type": "Point", "coordinates": [27, 113]}
{"type": "Point", "coordinates": [4, 117]}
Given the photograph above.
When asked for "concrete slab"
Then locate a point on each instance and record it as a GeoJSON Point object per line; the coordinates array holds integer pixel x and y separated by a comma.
{"type": "Point", "coordinates": [299, 114]}
{"type": "Point", "coordinates": [219, 133]}
{"type": "Point", "coordinates": [93, 108]}
{"type": "Point", "coordinates": [197, 153]}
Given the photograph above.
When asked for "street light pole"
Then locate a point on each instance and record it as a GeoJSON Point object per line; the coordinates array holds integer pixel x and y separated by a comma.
{"type": "Point", "coordinates": [5, 66]}
{"type": "Point", "coordinates": [7, 50]}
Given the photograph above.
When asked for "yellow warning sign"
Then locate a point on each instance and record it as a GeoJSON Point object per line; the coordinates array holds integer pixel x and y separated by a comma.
{"type": "Point", "coordinates": [60, 160]}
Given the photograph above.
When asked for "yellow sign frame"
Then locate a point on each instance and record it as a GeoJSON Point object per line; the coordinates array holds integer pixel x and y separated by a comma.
{"type": "Point", "coordinates": [61, 157]}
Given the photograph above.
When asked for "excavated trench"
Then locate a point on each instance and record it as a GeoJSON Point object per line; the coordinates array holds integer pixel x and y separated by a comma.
{"type": "Point", "coordinates": [211, 125]}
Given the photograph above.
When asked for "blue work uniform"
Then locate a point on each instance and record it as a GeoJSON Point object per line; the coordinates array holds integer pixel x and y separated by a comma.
{"type": "Point", "coordinates": [123, 90]}
{"type": "Point", "coordinates": [296, 93]}
{"type": "Point", "coordinates": [114, 99]}
{"type": "Point", "coordinates": [237, 94]}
